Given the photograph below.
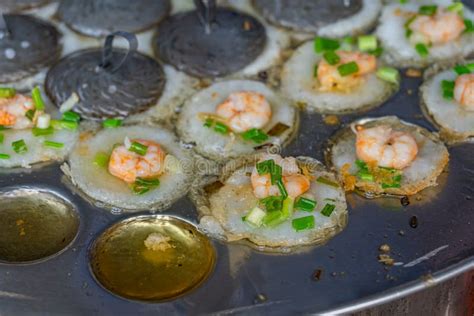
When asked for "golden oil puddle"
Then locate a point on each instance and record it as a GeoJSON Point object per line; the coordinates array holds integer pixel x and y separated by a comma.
{"type": "Point", "coordinates": [152, 258]}
{"type": "Point", "coordinates": [34, 225]}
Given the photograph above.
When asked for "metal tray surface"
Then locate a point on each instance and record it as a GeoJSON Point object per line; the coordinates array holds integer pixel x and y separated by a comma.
{"type": "Point", "coordinates": [246, 281]}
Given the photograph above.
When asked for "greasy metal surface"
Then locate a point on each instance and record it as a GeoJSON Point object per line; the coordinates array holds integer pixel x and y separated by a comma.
{"type": "Point", "coordinates": [8, 6]}
{"type": "Point", "coordinates": [246, 281]}
{"type": "Point", "coordinates": [31, 45]}
{"type": "Point", "coordinates": [304, 15]}
{"type": "Point", "coordinates": [134, 87]}
{"type": "Point", "coordinates": [100, 17]}
{"type": "Point", "coordinates": [234, 41]}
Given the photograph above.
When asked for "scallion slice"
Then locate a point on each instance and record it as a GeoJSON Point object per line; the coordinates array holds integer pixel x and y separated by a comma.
{"type": "Point", "coordinates": [208, 123]}
{"type": "Point", "coordinates": [2, 138]}
{"type": "Point", "coordinates": [37, 99]}
{"type": "Point", "coordinates": [427, 9]}
{"type": "Point", "coordinates": [256, 135]}
{"type": "Point", "coordinates": [388, 74]}
{"type": "Point", "coordinates": [282, 188]}
{"type": "Point", "coordinates": [455, 7]}
{"type": "Point", "coordinates": [275, 173]}
{"type": "Point", "coordinates": [322, 44]}
{"type": "Point", "coordinates": [4, 156]}
{"type": "Point", "coordinates": [221, 128]}
{"type": "Point", "coordinates": [328, 209]}
{"type": "Point", "coordinates": [30, 114]}
{"type": "Point", "coordinates": [470, 67]}
{"type": "Point", "coordinates": [19, 146]}
{"type": "Point", "coordinates": [367, 43]}
{"type": "Point", "coordinates": [331, 57]}
{"type": "Point", "coordinates": [461, 70]}
{"type": "Point", "coordinates": [272, 203]}
{"type": "Point", "coordinates": [255, 217]}
{"type": "Point", "coordinates": [54, 145]}
{"type": "Point", "coordinates": [273, 219]}
{"type": "Point", "coordinates": [71, 116]}
{"type": "Point", "coordinates": [377, 52]}
{"type": "Point", "coordinates": [138, 148]}
{"type": "Point", "coordinates": [469, 26]}
{"type": "Point", "coordinates": [265, 167]}
{"type": "Point", "coordinates": [112, 123]}
{"type": "Point", "coordinates": [304, 204]}
{"type": "Point", "coordinates": [303, 223]}
{"type": "Point", "coordinates": [61, 124]}
{"type": "Point", "coordinates": [42, 131]}
{"type": "Point", "coordinates": [448, 89]}
{"type": "Point", "coordinates": [422, 50]}
{"type": "Point", "coordinates": [101, 159]}
{"type": "Point", "coordinates": [348, 69]}
{"type": "Point", "coordinates": [147, 182]}
{"type": "Point", "coordinates": [328, 182]}
{"type": "Point", "coordinates": [7, 92]}
{"type": "Point", "coordinates": [315, 71]}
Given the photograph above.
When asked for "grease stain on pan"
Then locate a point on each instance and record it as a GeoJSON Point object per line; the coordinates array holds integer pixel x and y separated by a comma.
{"type": "Point", "coordinates": [34, 224]}
{"type": "Point", "coordinates": [151, 258]}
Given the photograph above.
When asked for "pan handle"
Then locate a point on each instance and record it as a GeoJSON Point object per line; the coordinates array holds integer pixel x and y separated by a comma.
{"type": "Point", "coordinates": [107, 51]}
{"type": "Point", "coordinates": [206, 10]}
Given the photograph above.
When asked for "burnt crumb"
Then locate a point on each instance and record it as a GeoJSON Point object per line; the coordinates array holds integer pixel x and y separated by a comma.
{"type": "Point", "coordinates": [331, 120]}
{"type": "Point", "coordinates": [386, 260]}
{"type": "Point", "coordinates": [414, 221]}
{"type": "Point", "coordinates": [317, 274]}
{"type": "Point", "coordinates": [263, 75]}
{"type": "Point", "coordinates": [405, 201]}
{"type": "Point", "coordinates": [260, 298]}
{"type": "Point", "coordinates": [384, 248]}
{"type": "Point", "coordinates": [413, 73]}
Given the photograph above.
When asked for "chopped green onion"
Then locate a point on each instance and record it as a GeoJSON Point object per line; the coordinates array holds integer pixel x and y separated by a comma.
{"type": "Point", "coordinates": [455, 7]}
{"type": "Point", "coordinates": [408, 33]}
{"type": "Point", "coordinates": [390, 185]}
{"type": "Point", "coordinates": [376, 52]}
{"type": "Point", "coordinates": [469, 26]}
{"type": "Point", "coordinates": [303, 223]}
{"type": "Point", "coordinates": [348, 69]}
{"type": "Point", "coordinates": [448, 89]}
{"type": "Point", "coordinates": [275, 174]}
{"type": "Point", "coordinates": [4, 156]}
{"type": "Point", "coordinates": [139, 190]}
{"type": "Point", "coordinates": [71, 116]}
{"type": "Point", "coordinates": [30, 114]}
{"type": "Point", "coordinates": [315, 71]}
{"type": "Point", "coordinates": [361, 164]}
{"type": "Point", "coordinates": [367, 43]}
{"type": "Point", "coordinates": [422, 50]}
{"type": "Point", "coordinates": [282, 188]}
{"type": "Point", "coordinates": [112, 123]}
{"type": "Point", "coordinates": [347, 43]}
{"type": "Point", "coordinates": [255, 217]}
{"type": "Point", "coordinates": [256, 135]}
{"type": "Point", "coordinates": [51, 144]}
{"type": "Point", "coordinates": [322, 44]}
{"type": "Point", "coordinates": [403, 1]}
{"type": "Point", "coordinates": [461, 70]}
{"type": "Point", "coordinates": [42, 131]}
{"type": "Point", "coordinates": [470, 67]}
{"type": "Point", "coordinates": [326, 181]}
{"type": "Point", "coordinates": [101, 159]}
{"type": "Point", "coordinates": [388, 74]}
{"type": "Point", "coordinates": [37, 99]}
{"type": "Point", "coordinates": [331, 57]}
{"type": "Point", "coordinates": [147, 182]}
{"type": "Point", "coordinates": [272, 203]}
{"type": "Point", "coordinates": [19, 146]}
{"type": "Point", "coordinates": [265, 167]}
{"type": "Point", "coordinates": [273, 219]}
{"type": "Point", "coordinates": [328, 209]}
{"type": "Point", "coordinates": [61, 124]}
{"type": "Point", "coordinates": [428, 9]}
{"type": "Point", "coordinates": [7, 92]}
{"type": "Point", "coordinates": [208, 123]}
{"type": "Point", "coordinates": [2, 138]}
{"type": "Point", "coordinates": [138, 148]}
{"type": "Point", "coordinates": [221, 128]}
{"type": "Point", "coordinates": [365, 175]}
{"type": "Point", "coordinates": [304, 204]}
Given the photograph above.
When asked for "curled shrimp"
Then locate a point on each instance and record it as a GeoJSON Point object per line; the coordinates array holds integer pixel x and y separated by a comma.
{"type": "Point", "coordinates": [330, 79]}
{"type": "Point", "coordinates": [245, 110]}
{"type": "Point", "coordinates": [440, 28]}
{"type": "Point", "coordinates": [13, 112]}
{"type": "Point", "coordinates": [464, 91]}
{"type": "Point", "coordinates": [385, 147]}
{"type": "Point", "coordinates": [295, 182]}
{"type": "Point", "coordinates": [128, 166]}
